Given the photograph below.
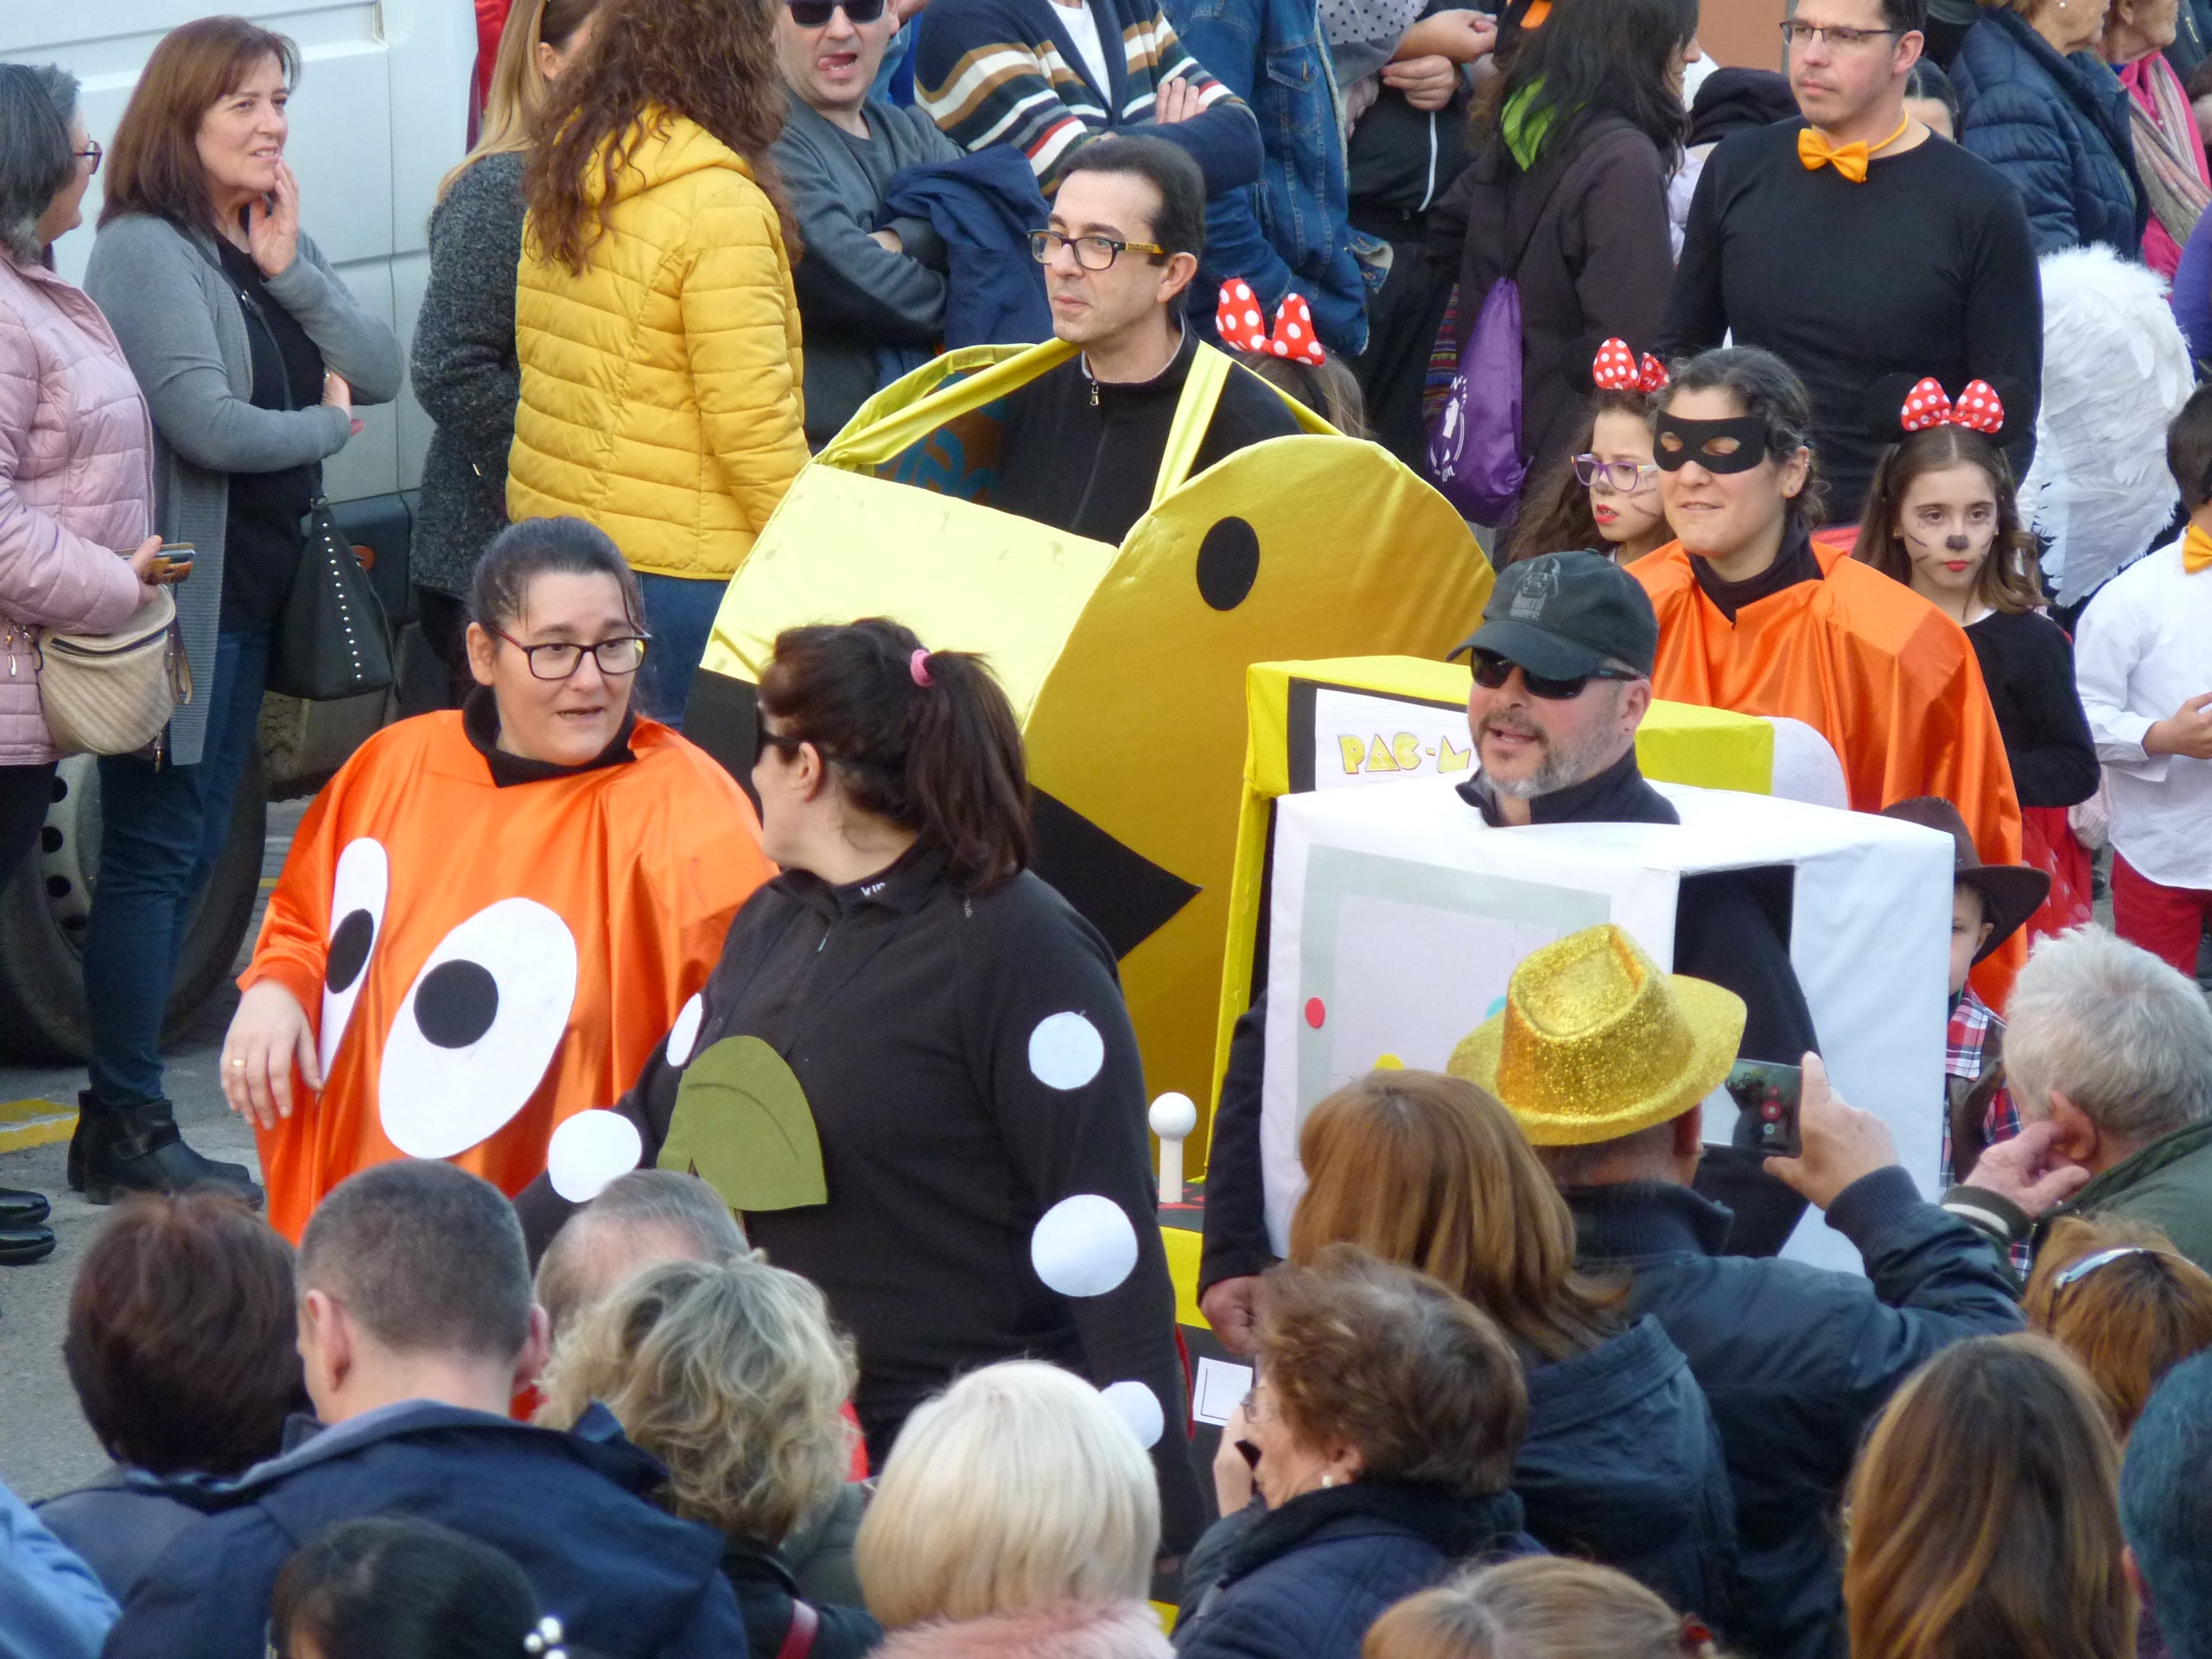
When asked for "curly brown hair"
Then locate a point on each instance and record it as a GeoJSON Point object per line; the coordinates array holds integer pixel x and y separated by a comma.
{"type": "Point", "coordinates": [1555, 516]}
{"type": "Point", "coordinates": [710, 62]}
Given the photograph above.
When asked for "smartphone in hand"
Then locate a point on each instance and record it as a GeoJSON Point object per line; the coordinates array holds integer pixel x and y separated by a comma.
{"type": "Point", "coordinates": [173, 564]}
{"type": "Point", "coordinates": [1767, 1095]}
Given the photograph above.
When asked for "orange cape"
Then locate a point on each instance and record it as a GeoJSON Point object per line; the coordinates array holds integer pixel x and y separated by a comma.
{"type": "Point", "coordinates": [1888, 679]}
{"type": "Point", "coordinates": [480, 963]}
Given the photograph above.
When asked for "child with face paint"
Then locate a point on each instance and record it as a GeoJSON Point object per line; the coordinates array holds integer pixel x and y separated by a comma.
{"type": "Point", "coordinates": [1755, 617]}
{"type": "Point", "coordinates": [1605, 495]}
{"type": "Point", "coordinates": [1943, 519]}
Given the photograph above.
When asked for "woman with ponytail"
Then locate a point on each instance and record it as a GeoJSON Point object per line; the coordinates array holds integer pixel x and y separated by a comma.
{"type": "Point", "coordinates": [911, 1072]}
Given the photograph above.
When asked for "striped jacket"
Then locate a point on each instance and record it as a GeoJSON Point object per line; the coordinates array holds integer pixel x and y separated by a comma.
{"type": "Point", "coordinates": [1006, 72]}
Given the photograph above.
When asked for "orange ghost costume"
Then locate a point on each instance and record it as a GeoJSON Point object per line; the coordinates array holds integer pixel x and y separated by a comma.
{"type": "Point", "coordinates": [480, 963]}
{"type": "Point", "coordinates": [1889, 680]}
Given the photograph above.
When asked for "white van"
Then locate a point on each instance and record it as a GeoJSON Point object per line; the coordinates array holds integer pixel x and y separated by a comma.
{"type": "Point", "coordinates": [380, 114]}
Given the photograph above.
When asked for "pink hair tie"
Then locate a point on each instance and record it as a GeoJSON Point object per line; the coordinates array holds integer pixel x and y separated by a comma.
{"type": "Point", "coordinates": [919, 666]}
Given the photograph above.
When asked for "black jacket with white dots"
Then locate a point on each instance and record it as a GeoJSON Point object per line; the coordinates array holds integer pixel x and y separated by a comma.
{"type": "Point", "coordinates": [969, 1065]}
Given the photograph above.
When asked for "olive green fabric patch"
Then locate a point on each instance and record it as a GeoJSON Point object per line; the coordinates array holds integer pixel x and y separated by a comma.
{"type": "Point", "coordinates": [742, 1125]}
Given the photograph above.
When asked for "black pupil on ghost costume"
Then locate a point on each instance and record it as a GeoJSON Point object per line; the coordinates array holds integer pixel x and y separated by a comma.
{"type": "Point", "coordinates": [1229, 563]}
{"type": "Point", "coordinates": [349, 949]}
{"type": "Point", "coordinates": [456, 1004]}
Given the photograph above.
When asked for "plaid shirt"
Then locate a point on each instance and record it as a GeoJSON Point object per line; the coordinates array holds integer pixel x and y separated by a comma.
{"type": "Point", "coordinates": [1972, 1022]}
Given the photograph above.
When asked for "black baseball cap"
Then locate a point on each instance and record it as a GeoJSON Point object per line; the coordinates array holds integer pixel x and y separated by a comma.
{"type": "Point", "coordinates": [1567, 613]}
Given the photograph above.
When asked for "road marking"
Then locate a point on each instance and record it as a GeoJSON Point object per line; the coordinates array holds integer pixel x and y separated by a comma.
{"type": "Point", "coordinates": [27, 1123]}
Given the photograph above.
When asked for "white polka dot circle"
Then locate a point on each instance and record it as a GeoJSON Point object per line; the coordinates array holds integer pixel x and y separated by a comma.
{"type": "Point", "coordinates": [590, 1150]}
{"type": "Point", "coordinates": [1083, 1246]}
{"type": "Point", "coordinates": [685, 1030]}
{"type": "Point", "coordinates": [1066, 1051]}
{"type": "Point", "coordinates": [1139, 1406]}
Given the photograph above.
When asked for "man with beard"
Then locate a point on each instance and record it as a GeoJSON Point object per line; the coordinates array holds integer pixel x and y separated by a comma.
{"type": "Point", "coordinates": [1562, 667]}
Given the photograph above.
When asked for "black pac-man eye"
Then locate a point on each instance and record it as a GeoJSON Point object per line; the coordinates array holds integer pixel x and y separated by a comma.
{"type": "Point", "coordinates": [358, 888]}
{"type": "Point", "coordinates": [1229, 563]}
{"type": "Point", "coordinates": [482, 1022]}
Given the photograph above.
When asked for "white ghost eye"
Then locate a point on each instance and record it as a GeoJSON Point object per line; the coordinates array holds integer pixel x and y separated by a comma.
{"type": "Point", "coordinates": [356, 897]}
{"type": "Point", "coordinates": [481, 1022]}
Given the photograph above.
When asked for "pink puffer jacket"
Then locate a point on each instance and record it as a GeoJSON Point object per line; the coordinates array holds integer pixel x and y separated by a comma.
{"type": "Point", "coordinates": [76, 486]}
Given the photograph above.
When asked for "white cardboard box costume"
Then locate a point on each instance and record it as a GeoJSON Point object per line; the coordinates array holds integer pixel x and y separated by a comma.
{"type": "Point", "coordinates": [1397, 917]}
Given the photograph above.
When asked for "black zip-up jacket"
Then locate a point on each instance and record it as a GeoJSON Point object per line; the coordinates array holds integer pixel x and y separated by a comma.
{"type": "Point", "coordinates": [1082, 455]}
{"type": "Point", "coordinates": [1795, 1361]}
{"type": "Point", "coordinates": [969, 1065]}
{"type": "Point", "coordinates": [1724, 932]}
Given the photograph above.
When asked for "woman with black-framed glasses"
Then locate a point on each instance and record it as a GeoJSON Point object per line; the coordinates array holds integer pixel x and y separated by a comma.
{"type": "Point", "coordinates": [490, 918]}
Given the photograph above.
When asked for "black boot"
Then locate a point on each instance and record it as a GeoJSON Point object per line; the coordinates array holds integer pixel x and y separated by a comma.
{"type": "Point", "coordinates": [138, 1149]}
{"type": "Point", "coordinates": [21, 1245]}
{"type": "Point", "coordinates": [21, 1209]}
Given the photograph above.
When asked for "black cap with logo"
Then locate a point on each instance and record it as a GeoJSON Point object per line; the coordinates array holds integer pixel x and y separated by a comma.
{"type": "Point", "coordinates": [1564, 614]}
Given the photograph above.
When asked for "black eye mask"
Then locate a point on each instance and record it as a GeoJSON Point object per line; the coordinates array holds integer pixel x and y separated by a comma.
{"type": "Point", "coordinates": [1695, 440]}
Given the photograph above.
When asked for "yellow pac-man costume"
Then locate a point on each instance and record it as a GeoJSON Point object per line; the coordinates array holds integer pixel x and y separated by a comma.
{"type": "Point", "coordinates": [1125, 664]}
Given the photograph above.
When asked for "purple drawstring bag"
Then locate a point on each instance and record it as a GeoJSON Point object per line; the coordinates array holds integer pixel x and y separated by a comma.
{"type": "Point", "coordinates": [1474, 450]}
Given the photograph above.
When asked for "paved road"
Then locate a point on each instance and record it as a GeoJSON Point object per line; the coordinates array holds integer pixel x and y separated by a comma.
{"type": "Point", "coordinates": [45, 1447]}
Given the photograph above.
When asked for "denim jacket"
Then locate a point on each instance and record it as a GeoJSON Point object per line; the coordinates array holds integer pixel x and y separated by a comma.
{"type": "Point", "coordinates": [1291, 230]}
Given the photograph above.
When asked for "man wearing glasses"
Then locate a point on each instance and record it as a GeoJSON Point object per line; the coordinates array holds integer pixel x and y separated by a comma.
{"type": "Point", "coordinates": [1860, 249]}
{"type": "Point", "coordinates": [1083, 442]}
{"type": "Point", "coordinates": [1562, 666]}
{"type": "Point", "coordinates": [870, 284]}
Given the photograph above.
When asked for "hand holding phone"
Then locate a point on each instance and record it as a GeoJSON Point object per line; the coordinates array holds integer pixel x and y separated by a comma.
{"type": "Point", "coordinates": [1842, 1144]}
{"type": "Point", "coordinates": [173, 564]}
{"type": "Point", "coordinates": [1768, 1097]}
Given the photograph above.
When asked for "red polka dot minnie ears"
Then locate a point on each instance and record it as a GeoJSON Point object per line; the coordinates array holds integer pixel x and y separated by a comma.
{"type": "Point", "coordinates": [1978, 408]}
{"type": "Point", "coordinates": [1617, 370]}
{"type": "Point", "coordinates": [1238, 322]}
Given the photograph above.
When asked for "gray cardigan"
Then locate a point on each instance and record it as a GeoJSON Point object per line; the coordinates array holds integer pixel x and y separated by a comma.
{"type": "Point", "coordinates": [855, 294]}
{"type": "Point", "coordinates": [465, 371]}
{"type": "Point", "coordinates": [178, 319]}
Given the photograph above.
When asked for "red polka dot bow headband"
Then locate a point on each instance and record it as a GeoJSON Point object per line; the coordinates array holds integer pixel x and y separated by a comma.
{"type": "Point", "coordinates": [1617, 370]}
{"type": "Point", "coordinates": [1978, 408]}
{"type": "Point", "coordinates": [1238, 322]}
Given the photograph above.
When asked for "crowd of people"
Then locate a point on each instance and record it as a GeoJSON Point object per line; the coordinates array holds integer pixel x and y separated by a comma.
{"type": "Point", "coordinates": [747, 1243]}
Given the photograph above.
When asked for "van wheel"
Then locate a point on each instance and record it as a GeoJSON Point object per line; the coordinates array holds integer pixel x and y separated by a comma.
{"type": "Point", "coordinates": [43, 910]}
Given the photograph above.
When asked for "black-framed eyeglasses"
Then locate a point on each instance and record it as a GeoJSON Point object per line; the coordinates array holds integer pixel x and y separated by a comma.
{"type": "Point", "coordinates": [561, 659]}
{"type": "Point", "coordinates": [764, 740]}
{"type": "Point", "coordinates": [1091, 252]}
{"type": "Point", "coordinates": [90, 157]}
{"type": "Point", "coordinates": [815, 14]}
{"type": "Point", "coordinates": [1492, 670]}
{"type": "Point", "coordinates": [1797, 34]}
{"type": "Point", "coordinates": [1624, 476]}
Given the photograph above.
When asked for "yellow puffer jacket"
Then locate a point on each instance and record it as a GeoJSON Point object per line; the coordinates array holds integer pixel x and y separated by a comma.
{"type": "Point", "coordinates": [661, 388]}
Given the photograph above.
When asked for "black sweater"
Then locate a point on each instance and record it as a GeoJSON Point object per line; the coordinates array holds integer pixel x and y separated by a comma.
{"type": "Point", "coordinates": [1725, 931]}
{"type": "Point", "coordinates": [969, 1065]}
{"type": "Point", "coordinates": [2027, 662]}
{"type": "Point", "coordinates": [1926, 269]}
{"type": "Point", "coordinates": [1082, 455]}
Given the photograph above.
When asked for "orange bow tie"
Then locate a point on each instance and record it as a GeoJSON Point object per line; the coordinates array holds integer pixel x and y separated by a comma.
{"type": "Point", "coordinates": [2196, 551]}
{"type": "Point", "coordinates": [1850, 160]}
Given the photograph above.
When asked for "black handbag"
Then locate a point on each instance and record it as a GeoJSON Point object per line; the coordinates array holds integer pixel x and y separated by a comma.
{"type": "Point", "coordinates": [333, 638]}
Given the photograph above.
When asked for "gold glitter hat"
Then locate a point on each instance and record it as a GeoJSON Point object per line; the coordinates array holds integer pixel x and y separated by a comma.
{"type": "Point", "coordinates": [1595, 1042]}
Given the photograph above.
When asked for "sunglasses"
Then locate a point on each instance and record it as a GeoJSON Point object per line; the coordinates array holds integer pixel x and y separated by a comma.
{"type": "Point", "coordinates": [764, 740]}
{"type": "Point", "coordinates": [815, 14]}
{"type": "Point", "coordinates": [1492, 670]}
